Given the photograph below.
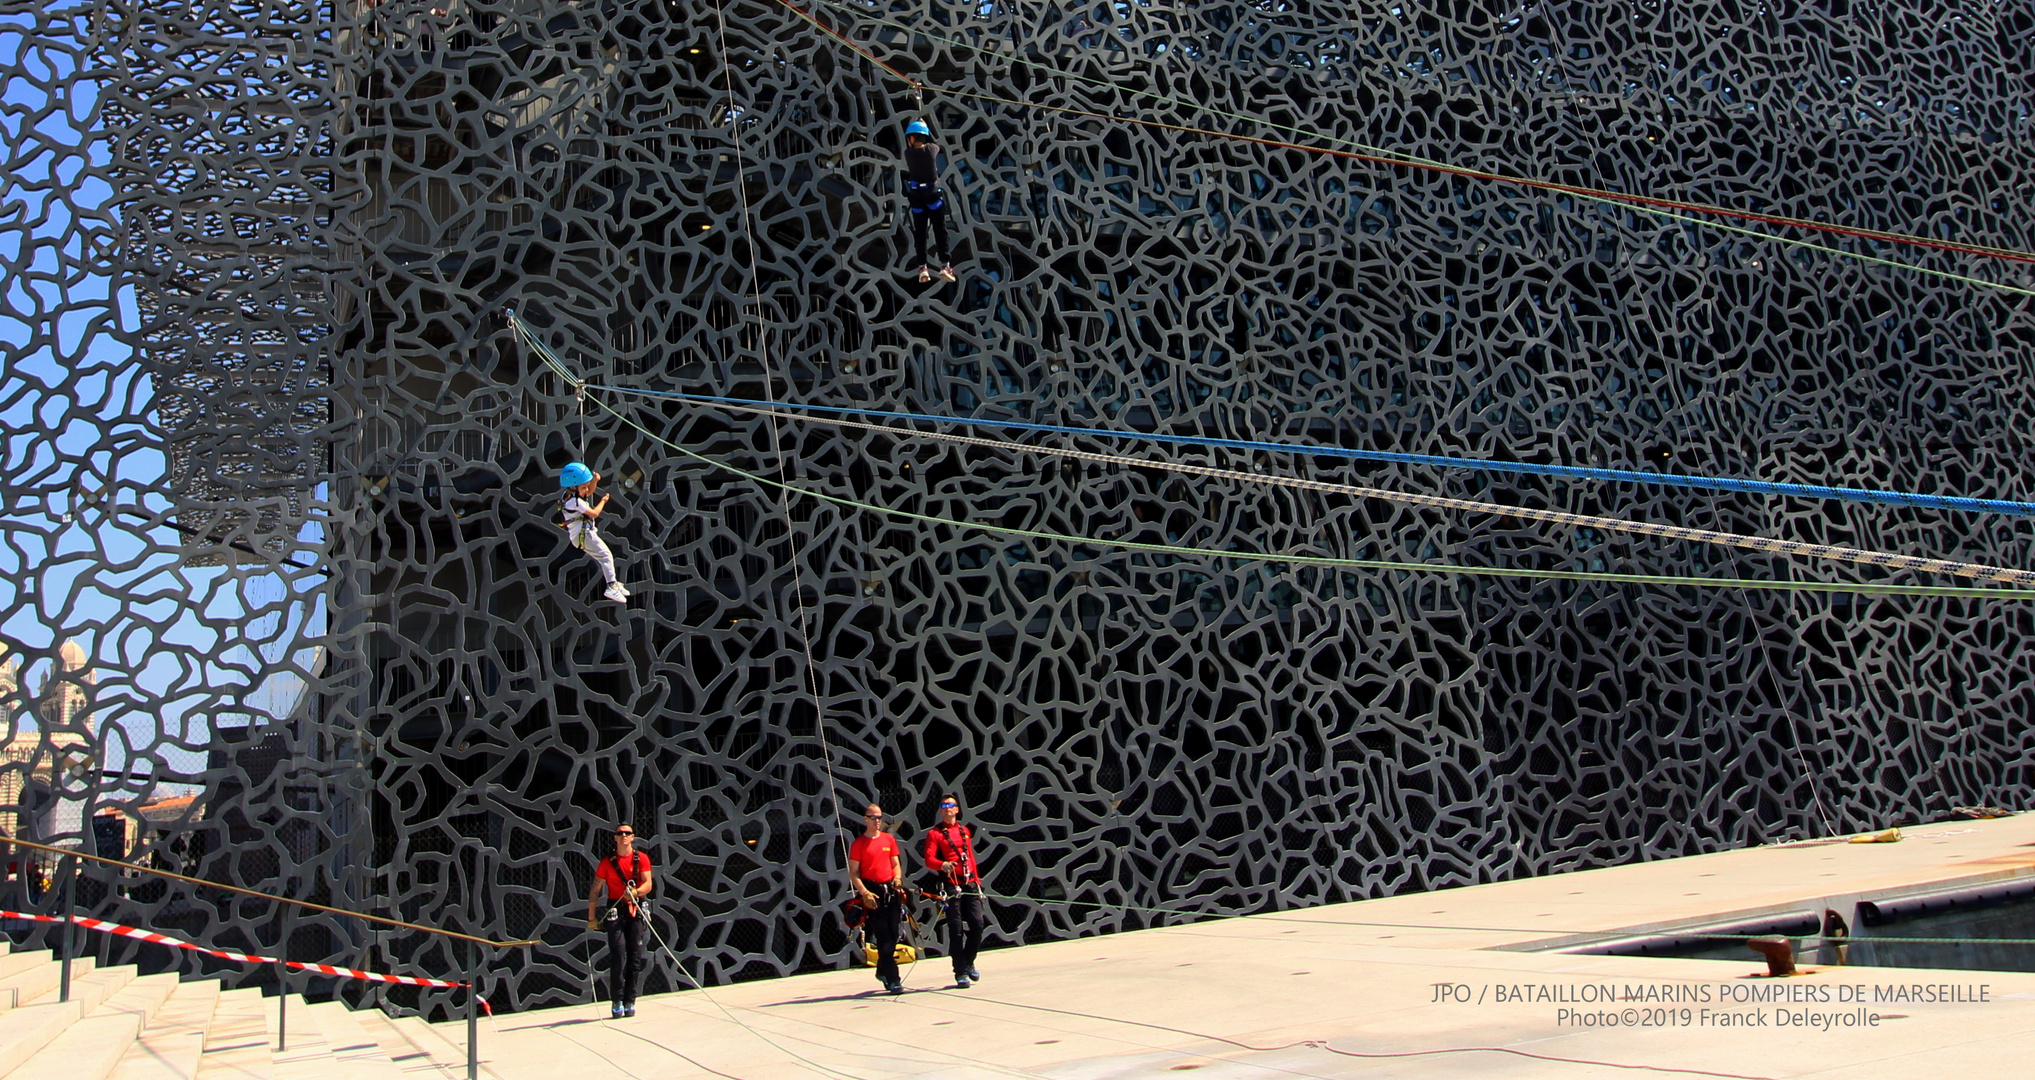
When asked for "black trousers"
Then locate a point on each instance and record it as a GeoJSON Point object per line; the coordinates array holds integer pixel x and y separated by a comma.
{"type": "Point", "coordinates": [883, 926]}
{"type": "Point", "coordinates": [929, 207]}
{"type": "Point", "coordinates": [964, 930]}
{"type": "Point", "coordinates": [625, 958]}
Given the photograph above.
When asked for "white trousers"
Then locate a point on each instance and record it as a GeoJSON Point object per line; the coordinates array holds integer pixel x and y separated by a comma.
{"type": "Point", "coordinates": [586, 539]}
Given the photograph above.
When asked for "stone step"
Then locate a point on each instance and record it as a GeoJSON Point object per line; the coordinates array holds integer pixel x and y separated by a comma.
{"type": "Point", "coordinates": [13, 965]}
{"type": "Point", "coordinates": [174, 1042]}
{"type": "Point", "coordinates": [413, 1059]}
{"type": "Point", "coordinates": [439, 1042]}
{"type": "Point", "coordinates": [90, 1048]}
{"type": "Point", "coordinates": [305, 1055]}
{"type": "Point", "coordinates": [239, 1044]}
{"type": "Point", "coordinates": [37, 982]}
{"type": "Point", "coordinates": [119, 1025]}
{"type": "Point", "coordinates": [89, 988]}
{"type": "Point", "coordinates": [350, 1045]}
{"type": "Point", "coordinates": [26, 1030]}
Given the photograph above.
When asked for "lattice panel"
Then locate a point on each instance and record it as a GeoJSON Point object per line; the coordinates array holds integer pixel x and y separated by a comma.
{"type": "Point", "coordinates": [288, 232]}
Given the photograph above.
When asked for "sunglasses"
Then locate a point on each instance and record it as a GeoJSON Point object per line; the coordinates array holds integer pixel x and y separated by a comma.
{"type": "Point", "coordinates": [624, 832]}
{"type": "Point", "coordinates": [950, 806]}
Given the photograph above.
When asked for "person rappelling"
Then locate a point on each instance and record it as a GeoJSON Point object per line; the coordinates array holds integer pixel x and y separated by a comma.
{"type": "Point", "coordinates": [928, 203]}
{"type": "Point", "coordinates": [578, 483]}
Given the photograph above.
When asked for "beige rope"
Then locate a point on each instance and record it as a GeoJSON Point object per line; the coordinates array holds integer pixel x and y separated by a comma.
{"type": "Point", "coordinates": [1885, 559]}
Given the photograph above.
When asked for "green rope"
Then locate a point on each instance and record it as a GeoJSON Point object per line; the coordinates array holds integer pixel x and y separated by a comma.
{"type": "Point", "coordinates": [1324, 560]}
{"type": "Point", "coordinates": [1633, 579]}
{"type": "Point", "coordinates": [543, 351]}
{"type": "Point", "coordinates": [1839, 252]}
{"type": "Point", "coordinates": [1413, 159]}
{"type": "Point", "coordinates": [551, 360]}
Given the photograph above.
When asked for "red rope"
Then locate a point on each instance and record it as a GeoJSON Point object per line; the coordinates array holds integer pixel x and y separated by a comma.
{"type": "Point", "coordinates": [1456, 170]}
{"type": "Point", "coordinates": [845, 40]}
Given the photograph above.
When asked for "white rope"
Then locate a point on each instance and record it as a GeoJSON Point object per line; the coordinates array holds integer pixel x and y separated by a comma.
{"type": "Point", "coordinates": [798, 550]}
{"type": "Point", "coordinates": [1883, 559]}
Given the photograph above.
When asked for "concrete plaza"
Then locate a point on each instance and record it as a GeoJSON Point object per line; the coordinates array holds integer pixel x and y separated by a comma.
{"type": "Point", "coordinates": [1413, 986]}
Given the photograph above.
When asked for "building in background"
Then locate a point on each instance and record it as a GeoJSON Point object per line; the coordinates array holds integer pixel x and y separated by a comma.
{"type": "Point", "coordinates": [46, 769]}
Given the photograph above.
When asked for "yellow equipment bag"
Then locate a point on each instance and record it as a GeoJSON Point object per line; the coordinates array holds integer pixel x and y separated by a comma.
{"type": "Point", "coordinates": [905, 954]}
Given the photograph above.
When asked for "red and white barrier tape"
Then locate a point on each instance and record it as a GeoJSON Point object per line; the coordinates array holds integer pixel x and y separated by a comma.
{"type": "Point", "coordinates": [139, 934]}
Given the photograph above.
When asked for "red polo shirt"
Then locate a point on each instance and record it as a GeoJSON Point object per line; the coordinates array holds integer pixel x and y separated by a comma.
{"type": "Point", "coordinates": [877, 855]}
{"type": "Point", "coordinates": [953, 844]}
{"type": "Point", "coordinates": [630, 873]}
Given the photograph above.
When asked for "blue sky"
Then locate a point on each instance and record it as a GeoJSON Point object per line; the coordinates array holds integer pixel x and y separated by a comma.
{"type": "Point", "coordinates": [175, 648]}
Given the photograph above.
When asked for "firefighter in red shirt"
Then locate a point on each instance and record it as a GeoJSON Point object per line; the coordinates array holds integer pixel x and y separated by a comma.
{"type": "Point", "coordinates": [950, 852]}
{"type": "Point", "coordinates": [876, 870]}
{"type": "Point", "coordinates": [627, 882]}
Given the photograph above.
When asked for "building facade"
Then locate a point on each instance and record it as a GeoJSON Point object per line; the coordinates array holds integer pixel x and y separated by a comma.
{"type": "Point", "coordinates": [685, 200]}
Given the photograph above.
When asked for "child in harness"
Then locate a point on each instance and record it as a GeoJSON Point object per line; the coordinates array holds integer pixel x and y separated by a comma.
{"type": "Point", "coordinates": [928, 203]}
{"type": "Point", "coordinates": [578, 483]}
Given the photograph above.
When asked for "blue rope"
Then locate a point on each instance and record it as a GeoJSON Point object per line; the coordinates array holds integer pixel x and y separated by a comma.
{"type": "Point", "coordinates": [1762, 487]}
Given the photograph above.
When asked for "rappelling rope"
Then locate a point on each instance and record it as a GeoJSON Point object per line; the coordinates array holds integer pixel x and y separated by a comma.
{"type": "Point", "coordinates": [550, 359]}
{"type": "Point", "coordinates": [1379, 155]}
{"type": "Point", "coordinates": [1385, 154]}
{"type": "Point", "coordinates": [543, 351]}
{"type": "Point", "coordinates": [1526, 468]}
{"type": "Point", "coordinates": [1884, 559]}
{"type": "Point", "coordinates": [1863, 588]}
{"type": "Point", "coordinates": [814, 686]}
{"type": "Point", "coordinates": [1373, 155]}
{"type": "Point", "coordinates": [730, 1015]}
{"type": "Point", "coordinates": [1663, 207]}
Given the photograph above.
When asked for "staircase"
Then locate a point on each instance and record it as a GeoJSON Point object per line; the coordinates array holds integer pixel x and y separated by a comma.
{"type": "Point", "coordinates": [122, 1026]}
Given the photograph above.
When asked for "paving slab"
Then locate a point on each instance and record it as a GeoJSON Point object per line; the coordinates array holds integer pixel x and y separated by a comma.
{"type": "Point", "coordinates": [308, 1052]}
{"type": "Point", "coordinates": [1433, 985]}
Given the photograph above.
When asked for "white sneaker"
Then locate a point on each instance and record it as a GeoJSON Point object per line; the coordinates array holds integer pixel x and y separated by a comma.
{"type": "Point", "coordinates": [947, 272]}
{"type": "Point", "coordinates": [925, 274]}
{"type": "Point", "coordinates": [616, 592]}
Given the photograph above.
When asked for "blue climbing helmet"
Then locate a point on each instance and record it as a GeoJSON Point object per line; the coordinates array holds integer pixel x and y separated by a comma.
{"type": "Point", "coordinates": [573, 475]}
{"type": "Point", "coordinates": [918, 127]}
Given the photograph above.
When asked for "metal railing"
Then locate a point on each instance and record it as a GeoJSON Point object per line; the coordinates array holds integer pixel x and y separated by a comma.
{"type": "Point", "coordinates": [69, 856]}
